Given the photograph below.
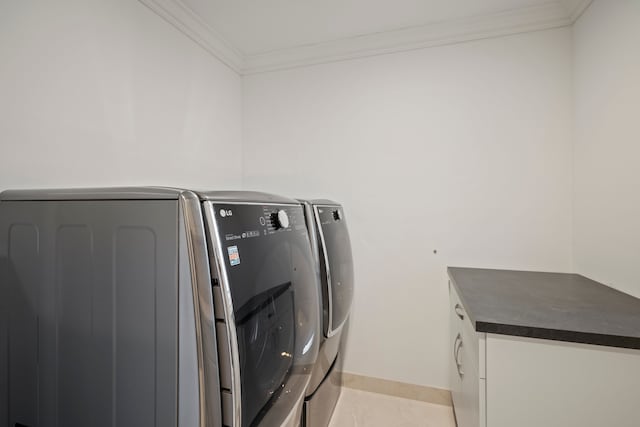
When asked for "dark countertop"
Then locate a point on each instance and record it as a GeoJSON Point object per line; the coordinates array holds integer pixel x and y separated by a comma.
{"type": "Point", "coordinates": [554, 306]}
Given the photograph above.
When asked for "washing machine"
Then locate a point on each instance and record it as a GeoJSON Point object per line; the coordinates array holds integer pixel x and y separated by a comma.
{"type": "Point", "coordinates": [331, 248]}
{"type": "Point", "coordinates": [155, 307]}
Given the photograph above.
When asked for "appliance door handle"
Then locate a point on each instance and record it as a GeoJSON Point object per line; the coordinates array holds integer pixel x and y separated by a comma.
{"type": "Point", "coordinates": [459, 311]}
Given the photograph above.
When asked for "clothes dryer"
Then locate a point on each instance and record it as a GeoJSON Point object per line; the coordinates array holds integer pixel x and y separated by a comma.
{"type": "Point", "coordinates": [331, 247]}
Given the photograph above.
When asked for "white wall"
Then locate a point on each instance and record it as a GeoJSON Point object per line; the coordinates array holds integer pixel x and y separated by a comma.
{"type": "Point", "coordinates": [464, 149]}
{"type": "Point", "coordinates": [97, 93]}
{"type": "Point", "coordinates": [607, 144]}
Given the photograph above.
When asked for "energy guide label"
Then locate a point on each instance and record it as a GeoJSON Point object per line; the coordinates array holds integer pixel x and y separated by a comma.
{"type": "Point", "coordinates": [234, 255]}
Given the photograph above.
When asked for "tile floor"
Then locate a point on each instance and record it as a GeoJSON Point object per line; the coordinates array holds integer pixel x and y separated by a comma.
{"type": "Point", "coordinates": [357, 408]}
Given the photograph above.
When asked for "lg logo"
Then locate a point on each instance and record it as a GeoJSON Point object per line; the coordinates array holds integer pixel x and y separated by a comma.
{"type": "Point", "coordinates": [225, 212]}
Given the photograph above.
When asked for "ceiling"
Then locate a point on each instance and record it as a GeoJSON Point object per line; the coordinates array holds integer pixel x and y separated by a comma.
{"type": "Point", "coordinates": [253, 36]}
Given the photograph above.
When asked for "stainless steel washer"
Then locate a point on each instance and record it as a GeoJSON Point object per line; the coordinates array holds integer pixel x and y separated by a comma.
{"type": "Point", "coordinates": [154, 307]}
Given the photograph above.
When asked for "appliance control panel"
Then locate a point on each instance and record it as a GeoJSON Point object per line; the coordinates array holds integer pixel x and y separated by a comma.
{"type": "Point", "coordinates": [329, 214]}
{"type": "Point", "coordinates": [239, 222]}
{"type": "Point", "coordinates": [281, 219]}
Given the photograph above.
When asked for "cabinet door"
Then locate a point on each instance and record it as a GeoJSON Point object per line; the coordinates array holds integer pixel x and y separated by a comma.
{"type": "Point", "coordinates": [455, 340]}
{"type": "Point", "coordinates": [467, 363]}
{"type": "Point", "coordinates": [469, 386]}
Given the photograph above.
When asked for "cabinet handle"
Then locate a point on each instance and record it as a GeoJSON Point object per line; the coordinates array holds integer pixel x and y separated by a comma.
{"type": "Point", "coordinates": [457, 346]}
{"type": "Point", "coordinates": [459, 311]}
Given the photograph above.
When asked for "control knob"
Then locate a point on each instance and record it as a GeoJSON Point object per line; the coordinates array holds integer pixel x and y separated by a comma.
{"type": "Point", "coordinates": [281, 219]}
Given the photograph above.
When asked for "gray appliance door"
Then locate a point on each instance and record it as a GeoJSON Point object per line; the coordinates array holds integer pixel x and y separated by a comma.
{"type": "Point", "coordinates": [270, 277]}
{"type": "Point", "coordinates": [336, 266]}
{"type": "Point", "coordinates": [89, 313]}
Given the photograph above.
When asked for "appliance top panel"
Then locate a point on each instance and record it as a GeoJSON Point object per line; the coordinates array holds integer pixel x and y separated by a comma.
{"type": "Point", "coordinates": [113, 193]}
{"type": "Point", "coordinates": [320, 202]}
{"type": "Point", "coordinates": [246, 197]}
{"type": "Point", "coordinates": [142, 193]}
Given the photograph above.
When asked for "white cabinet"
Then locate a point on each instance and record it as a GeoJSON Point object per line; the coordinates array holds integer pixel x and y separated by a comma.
{"type": "Point", "coordinates": [467, 366]}
{"type": "Point", "coordinates": [509, 381]}
{"type": "Point", "coordinates": [534, 382]}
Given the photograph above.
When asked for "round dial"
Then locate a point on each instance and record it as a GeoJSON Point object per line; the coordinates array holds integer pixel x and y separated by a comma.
{"type": "Point", "coordinates": [281, 219]}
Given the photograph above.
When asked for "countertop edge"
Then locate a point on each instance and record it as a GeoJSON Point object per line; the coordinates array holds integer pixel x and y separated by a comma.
{"type": "Point", "coordinates": [562, 335]}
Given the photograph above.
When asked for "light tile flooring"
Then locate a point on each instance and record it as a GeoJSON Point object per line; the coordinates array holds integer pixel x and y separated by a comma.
{"type": "Point", "coordinates": [357, 408]}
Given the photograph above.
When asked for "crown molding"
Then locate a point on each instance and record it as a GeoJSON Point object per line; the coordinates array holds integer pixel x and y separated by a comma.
{"type": "Point", "coordinates": [552, 14]}
{"type": "Point", "coordinates": [190, 24]}
{"type": "Point", "coordinates": [575, 8]}
{"type": "Point", "coordinates": [543, 17]}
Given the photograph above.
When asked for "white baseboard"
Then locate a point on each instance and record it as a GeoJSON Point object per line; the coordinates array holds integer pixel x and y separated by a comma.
{"type": "Point", "coordinates": [399, 389]}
